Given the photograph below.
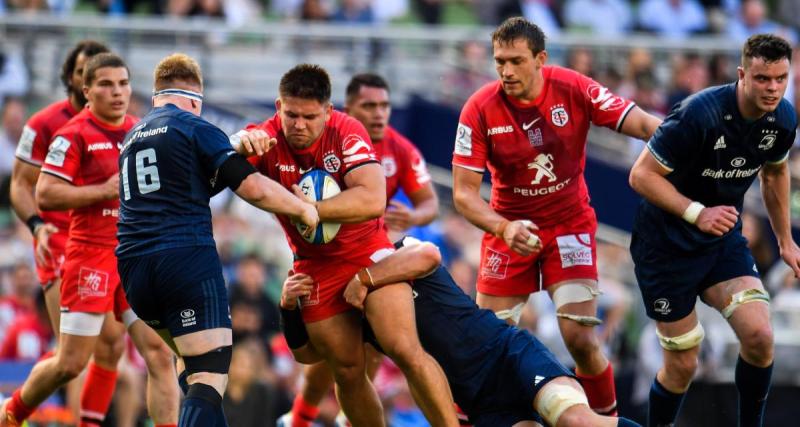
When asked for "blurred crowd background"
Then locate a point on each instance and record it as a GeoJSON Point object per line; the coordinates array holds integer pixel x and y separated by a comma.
{"type": "Point", "coordinates": [435, 53]}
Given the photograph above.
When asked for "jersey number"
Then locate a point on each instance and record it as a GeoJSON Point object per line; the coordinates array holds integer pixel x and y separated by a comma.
{"type": "Point", "coordinates": [146, 173]}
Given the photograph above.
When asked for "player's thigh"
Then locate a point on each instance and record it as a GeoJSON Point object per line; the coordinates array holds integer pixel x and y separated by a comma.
{"type": "Point", "coordinates": [203, 341]}
{"type": "Point", "coordinates": [505, 273]}
{"type": "Point", "coordinates": [743, 301]}
{"type": "Point", "coordinates": [569, 251]}
{"type": "Point", "coordinates": [52, 298]}
{"type": "Point", "coordinates": [339, 339]}
{"type": "Point", "coordinates": [390, 312]}
{"type": "Point", "coordinates": [669, 282]}
{"type": "Point", "coordinates": [529, 367]}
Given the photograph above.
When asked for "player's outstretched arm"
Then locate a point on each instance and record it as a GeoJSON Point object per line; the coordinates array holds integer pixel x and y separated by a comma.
{"type": "Point", "coordinates": [404, 265]}
{"type": "Point", "coordinates": [23, 186]}
{"type": "Point", "coordinates": [775, 184]}
{"type": "Point", "coordinates": [640, 124]}
{"type": "Point", "coordinates": [363, 199]}
{"type": "Point", "coordinates": [57, 194]}
{"type": "Point", "coordinates": [648, 179]}
{"type": "Point", "coordinates": [270, 196]}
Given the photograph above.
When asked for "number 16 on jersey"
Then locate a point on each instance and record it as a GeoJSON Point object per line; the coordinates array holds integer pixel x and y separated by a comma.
{"type": "Point", "coordinates": [146, 173]}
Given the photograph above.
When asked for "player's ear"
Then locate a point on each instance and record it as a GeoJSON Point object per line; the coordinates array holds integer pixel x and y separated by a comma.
{"type": "Point", "coordinates": [328, 110]}
{"type": "Point", "coordinates": [85, 91]}
{"type": "Point", "coordinates": [740, 72]}
{"type": "Point", "coordinates": [541, 58]}
{"type": "Point", "coordinates": [278, 104]}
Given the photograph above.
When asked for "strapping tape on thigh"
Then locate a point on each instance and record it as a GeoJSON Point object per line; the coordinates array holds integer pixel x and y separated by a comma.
{"type": "Point", "coordinates": [559, 398]}
{"type": "Point", "coordinates": [573, 293]}
{"type": "Point", "coordinates": [514, 313]}
{"type": "Point", "coordinates": [686, 341]}
{"type": "Point", "coordinates": [743, 297]}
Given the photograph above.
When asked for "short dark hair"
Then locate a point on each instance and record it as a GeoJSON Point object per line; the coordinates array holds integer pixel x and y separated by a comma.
{"type": "Point", "coordinates": [306, 81]}
{"type": "Point", "coordinates": [520, 28]}
{"type": "Point", "coordinates": [364, 79]}
{"type": "Point", "coordinates": [99, 61]}
{"type": "Point", "coordinates": [768, 47]}
{"type": "Point", "coordinates": [88, 48]}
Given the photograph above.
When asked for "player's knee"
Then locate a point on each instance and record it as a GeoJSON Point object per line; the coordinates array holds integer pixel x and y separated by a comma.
{"type": "Point", "coordinates": [682, 366]}
{"type": "Point", "coordinates": [578, 416]}
{"type": "Point", "coordinates": [581, 342]}
{"type": "Point", "coordinates": [70, 367]}
{"type": "Point", "coordinates": [216, 361]}
{"type": "Point", "coordinates": [347, 376]}
{"type": "Point", "coordinates": [109, 350]}
{"type": "Point", "coordinates": [758, 344]}
{"type": "Point", "coordinates": [405, 353]}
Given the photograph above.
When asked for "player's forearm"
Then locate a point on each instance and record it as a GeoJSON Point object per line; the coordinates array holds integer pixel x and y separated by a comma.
{"type": "Point", "coordinates": [353, 205]}
{"type": "Point", "coordinates": [640, 124]}
{"type": "Point", "coordinates": [270, 196]}
{"type": "Point", "coordinates": [659, 191]}
{"type": "Point", "coordinates": [406, 264]}
{"type": "Point", "coordinates": [61, 196]}
{"type": "Point", "coordinates": [426, 211]}
{"type": "Point", "coordinates": [476, 210]}
{"type": "Point", "coordinates": [21, 193]}
{"type": "Point", "coordinates": [775, 185]}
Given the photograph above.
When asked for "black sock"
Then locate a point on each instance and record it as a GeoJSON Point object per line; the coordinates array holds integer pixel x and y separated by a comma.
{"type": "Point", "coordinates": [201, 408]}
{"type": "Point", "coordinates": [753, 385]}
{"type": "Point", "coordinates": [664, 406]}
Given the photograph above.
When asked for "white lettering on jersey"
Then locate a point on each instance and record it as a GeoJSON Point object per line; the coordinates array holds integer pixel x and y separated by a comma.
{"type": "Point", "coordinates": [111, 212]}
{"type": "Point", "coordinates": [139, 134]}
{"type": "Point", "coordinates": [463, 140]}
{"type": "Point", "coordinates": [99, 146]}
{"type": "Point", "coordinates": [25, 145]}
{"type": "Point", "coordinates": [500, 129]}
{"type": "Point", "coordinates": [421, 171]}
{"type": "Point", "coordinates": [575, 249]}
{"type": "Point", "coordinates": [730, 174]}
{"type": "Point", "coordinates": [543, 163]}
{"type": "Point", "coordinates": [285, 168]}
{"type": "Point", "coordinates": [57, 151]}
{"type": "Point", "coordinates": [603, 98]}
{"type": "Point", "coordinates": [541, 191]}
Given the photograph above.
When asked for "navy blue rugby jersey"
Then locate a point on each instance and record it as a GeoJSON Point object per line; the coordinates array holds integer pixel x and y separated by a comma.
{"type": "Point", "coordinates": [713, 155]}
{"type": "Point", "coordinates": [167, 166]}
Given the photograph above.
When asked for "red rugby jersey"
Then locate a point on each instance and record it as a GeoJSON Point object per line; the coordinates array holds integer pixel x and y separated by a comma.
{"type": "Point", "coordinates": [32, 147]}
{"type": "Point", "coordinates": [343, 146]}
{"type": "Point", "coordinates": [403, 164]}
{"type": "Point", "coordinates": [85, 151]}
{"type": "Point", "coordinates": [536, 153]}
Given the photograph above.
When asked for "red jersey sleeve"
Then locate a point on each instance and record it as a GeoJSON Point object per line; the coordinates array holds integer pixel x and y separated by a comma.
{"type": "Point", "coordinates": [606, 109]}
{"type": "Point", "coordinates": [32, 146]}
{"type": "Point", "coordinates": [64, 156]}
{"type": "Point", "coordinates": [414, 173]}
{"type": "Point", "coordinates": [470, 146]}
{"type": "Point", "coordinates": [357, 149]}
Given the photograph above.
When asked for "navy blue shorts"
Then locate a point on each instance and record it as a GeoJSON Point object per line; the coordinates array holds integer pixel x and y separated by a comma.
{"type": "Point", "coordinates": [507, 397]}
{"type": "Point", "coordinates": [181, 290]}
{"type": "Point", "coordinates": [670, 282]}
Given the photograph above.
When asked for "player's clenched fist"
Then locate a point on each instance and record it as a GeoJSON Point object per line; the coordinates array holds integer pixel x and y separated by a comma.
{"type": "Point", "coordinates": [111, 187]}
{"type": "Point", "coordinates": [295, 286]}
{"type": "Point", "coordinates": [717, 220]}
{"type": "Point", "coordinates": [252, 143]}
{"type": "Point", "coordinates": [520, 236]}
{"type": "Point", "coordinates": [355, 293]}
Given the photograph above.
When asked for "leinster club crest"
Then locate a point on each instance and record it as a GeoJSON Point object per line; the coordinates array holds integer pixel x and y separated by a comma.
{"type": "Point", "coordinates": [767, 141]}
{"type": "Point", "coordinates": [332, 163]}
{"type": "Point", "coordinates": [559, 116]}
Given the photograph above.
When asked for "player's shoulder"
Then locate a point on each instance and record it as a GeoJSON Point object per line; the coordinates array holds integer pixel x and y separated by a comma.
{"type": "Point", "coordinates": [559, 74]}
{"type": "Point", "coordinates": [75, 125]}
{"type": "Point", "coordinates": [398, 139]}
{"type": "Point", "coordinates": [45, 116]}
{"type": "Point", "coordinates": [485, 96]}
{"type": "Point", "coordinates": [707, 107]}
{"type": "Point", "coordinates": [786, 115]}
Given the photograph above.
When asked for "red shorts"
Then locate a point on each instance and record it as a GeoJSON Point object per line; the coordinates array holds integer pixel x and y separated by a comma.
{"type": "Point", "coordinates": [330, 279]}
{"type": "Point", "coordinates": [51, 269]}
{"type": "Point", "coordinates": [569, 251]}
{"type": "Point", "coordinates": [90, 282]}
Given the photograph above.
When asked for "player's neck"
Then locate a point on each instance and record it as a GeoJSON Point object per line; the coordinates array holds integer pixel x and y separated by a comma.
{"type": "Point", "coordinates": [536, 89]}
{"type": "Point", "coordinates": [108, 121]}
{"type": "Point", "coordinates": [748, 110]}
{"type": "Point", "coordinates": [75, 103]}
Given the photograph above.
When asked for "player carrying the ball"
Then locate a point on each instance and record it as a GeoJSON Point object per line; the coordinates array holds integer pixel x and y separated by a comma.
{"type": "Point", "coordinates": [310, 134]}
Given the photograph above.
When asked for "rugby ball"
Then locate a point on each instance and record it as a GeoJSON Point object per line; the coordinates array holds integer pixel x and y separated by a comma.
{"type": "Point", "coordinates": [317, 185]}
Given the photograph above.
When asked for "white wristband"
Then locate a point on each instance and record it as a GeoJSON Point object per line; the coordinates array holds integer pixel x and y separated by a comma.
{"type": "Point", "coordinates": [692, 212]}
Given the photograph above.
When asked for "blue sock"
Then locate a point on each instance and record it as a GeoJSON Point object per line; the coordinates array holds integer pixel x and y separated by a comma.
{"type": "Point", "coordinates": [753, 385]}
{"type": "Point", "coordinates": [624, 422]}
{"type": "Point", "coordinates": [183, 382]}
{"type": "Point", "coordinates": [664, 405]}
{"type": "Point", "coordinates": [201, 408]}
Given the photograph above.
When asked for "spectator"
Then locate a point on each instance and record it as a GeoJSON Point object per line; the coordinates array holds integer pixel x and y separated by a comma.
{"type": "Point", "coordinates": [672, 18]}
{"type": "Point", "coordinates": [248, 290]}
{"type": "Point", "coordinates": [581, 60]}
{"type": "Point", "coordinates": [720, 70]}
{"type": "Point", "coordinates": [20, 299]}
{"type": "Point", "coordinates": [611, 18]}
{"type": "Point", "coordinates": [249, 400]}
{"type": "Point", "coordinates": [28, 337]}
{"type": "Point", "coordinates": [11, 124]}
{"type": "Point", "coordinates": [690, 75]}
{"type": "Point", "coordinates": [470, 73]}
{"type": "Point", "coordinates": [789, 13]}
{"type": "Point", "coordinates": [314, 10]}
{"type": "Point", "coordinates": [354, 12]}
{"type": "Point", "coordinates": [541, 12]}
{"type": "Point", "coordinates": [429, 11]}
{"type": "Point", "coordinates": [14, 80]}
{"type": "Point", "coordinates": [753, 20]}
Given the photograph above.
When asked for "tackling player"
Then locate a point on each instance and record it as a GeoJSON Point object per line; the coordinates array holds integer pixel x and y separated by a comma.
{"type": "Point", "coordinates": [687, 237]}
{"type": "Point", "coordinates": [529, 128]}
{"type": "Point", "coordinates": [499, 374]}
{"type": "Point", "coordinates": [171, 165]}
{"type": "Point", "coordinates": [311, 135]}
{"type": "Point", "coordinates": [80, 174]}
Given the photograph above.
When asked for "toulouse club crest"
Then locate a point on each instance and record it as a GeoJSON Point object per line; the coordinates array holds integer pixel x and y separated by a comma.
{"type": "Point", "coordinates": [332, 163]}
{"type": "Point", "coordinates": [559, 116]}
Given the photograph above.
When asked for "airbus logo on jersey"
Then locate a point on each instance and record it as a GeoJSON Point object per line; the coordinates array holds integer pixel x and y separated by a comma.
{"type": "Point", "coordinates": [100, 146]}
{"type": "Point", "coordinates": [285, 168]}
{"type": "Point", "coordinates": [497, 130]}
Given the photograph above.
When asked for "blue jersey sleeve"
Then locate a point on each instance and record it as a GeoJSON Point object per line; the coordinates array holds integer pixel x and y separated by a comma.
{"type": "Point", "coordinates": [677, 139]}
{"type": "Point", "coordinates": [213, 144]}
{"type": "Point", "coordinates": [788, 118]}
